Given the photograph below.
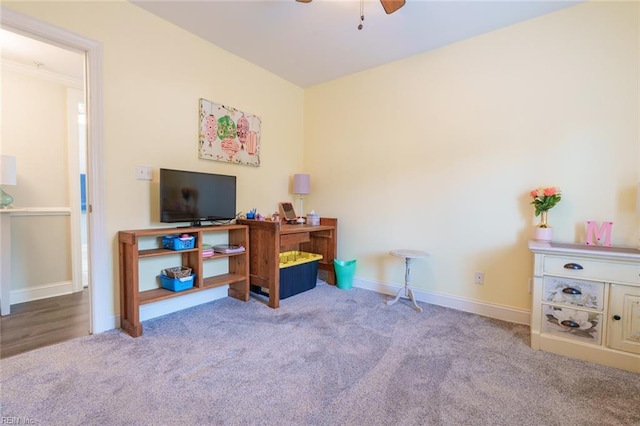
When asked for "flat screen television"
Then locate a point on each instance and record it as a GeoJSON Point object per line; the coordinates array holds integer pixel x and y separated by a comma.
{"type": "Point", "coordinates": [195, 197]}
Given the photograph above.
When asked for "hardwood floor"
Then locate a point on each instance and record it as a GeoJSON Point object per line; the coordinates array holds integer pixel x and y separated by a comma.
{"type": "Point", "coordinates": [40, 323]}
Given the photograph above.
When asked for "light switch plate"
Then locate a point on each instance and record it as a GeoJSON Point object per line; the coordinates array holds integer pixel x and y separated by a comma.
{"type": "Point", "coordinates": [144, 172]}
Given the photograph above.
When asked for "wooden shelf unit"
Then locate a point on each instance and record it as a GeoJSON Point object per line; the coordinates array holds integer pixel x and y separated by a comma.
{"type": "Point", "coordinates": [268, 239]}
{"type": "Point", "coordinates": [130, 256]}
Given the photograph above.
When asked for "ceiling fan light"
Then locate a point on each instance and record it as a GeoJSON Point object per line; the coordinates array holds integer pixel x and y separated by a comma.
{"type": "Point", "coordinates": [391, 6]}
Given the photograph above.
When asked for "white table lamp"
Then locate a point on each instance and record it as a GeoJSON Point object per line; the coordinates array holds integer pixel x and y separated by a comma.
{"type": "Point", "coordinates": [8, 176]}
{"type": "Point", "coordinates": [301, 186]}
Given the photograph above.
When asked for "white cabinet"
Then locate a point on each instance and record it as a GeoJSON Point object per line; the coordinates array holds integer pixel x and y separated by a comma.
{"type": "Point", "coordinates": [625, 318]}
{"type": "Point", "coordinates": [586, 303]}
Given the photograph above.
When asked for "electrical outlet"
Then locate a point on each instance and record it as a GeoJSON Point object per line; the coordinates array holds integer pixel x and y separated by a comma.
{"type": "Point", "coordinates": [479, 278]}
{"type": "Point", "coordinates": [144, 172]}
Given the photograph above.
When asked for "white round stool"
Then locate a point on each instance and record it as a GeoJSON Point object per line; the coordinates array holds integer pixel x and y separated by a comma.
{"type": "Point", "coordinates": [408, 293]}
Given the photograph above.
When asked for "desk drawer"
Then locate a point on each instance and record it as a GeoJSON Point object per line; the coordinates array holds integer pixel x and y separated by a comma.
{"type": "Point", "coordinates": [574, 324]}
{"type": "Point", "coordinates": [297, 238]}
{"type": "Point", "coordinates": [592, 269]}
{"type": "Point", "coordinates": [567, 291]}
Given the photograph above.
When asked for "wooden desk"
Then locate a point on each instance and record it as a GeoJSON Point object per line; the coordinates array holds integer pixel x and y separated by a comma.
{"type": "Point", "coordinates": [267, 239]}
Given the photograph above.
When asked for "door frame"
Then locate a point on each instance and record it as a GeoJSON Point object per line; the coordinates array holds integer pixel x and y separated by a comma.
{"type": "Point", "coordinates": [75, 97]}
{"type": "Point", "coordinates": [100, 290]}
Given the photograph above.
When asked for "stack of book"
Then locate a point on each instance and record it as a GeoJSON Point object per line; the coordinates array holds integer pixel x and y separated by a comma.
{"type": "Point", "coordinates": [228, 248]}
{"type": "Point", "coordinates": [207, 250]}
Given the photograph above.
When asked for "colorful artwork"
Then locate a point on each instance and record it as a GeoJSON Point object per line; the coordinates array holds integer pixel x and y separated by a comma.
{"type": "Point", "coordinates": [229, 135]}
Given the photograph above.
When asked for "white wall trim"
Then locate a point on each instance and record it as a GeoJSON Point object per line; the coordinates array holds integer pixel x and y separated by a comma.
{"type": "Point", "coordinates": [101, 284]}
{"type": "Point", "coordinates": [504, 313]}
{"type": "Point", "coordinates": [41, 211]}
{"type": "Point", "coordinates": [74, 99]}
{"type": "Point", "coordinates": [41, 292]}
{"type": "Point", "coordinates": [43, 74]}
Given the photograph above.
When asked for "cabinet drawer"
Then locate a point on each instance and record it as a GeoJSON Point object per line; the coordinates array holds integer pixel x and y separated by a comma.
{"type": "Point", "coordinates": [592, 269]}
{"type": "Point", "coordinates": [584, 326]}
{"type": "Point", "coordinates": [567, 291]}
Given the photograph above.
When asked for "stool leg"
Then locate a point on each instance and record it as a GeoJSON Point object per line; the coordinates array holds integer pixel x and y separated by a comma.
{"type": "Point", "coordinates": [391, 302]}
{"type": "Point", "coordinates": [408, 293]}
{"type": "Point", "coordinates": [413, 299]}
{"type": "Point", "coordinates": [407, 276]}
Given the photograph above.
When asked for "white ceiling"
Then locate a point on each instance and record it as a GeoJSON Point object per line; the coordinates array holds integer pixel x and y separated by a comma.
{"type": "Point", "coordinates": [309, 43]}
{"type": "Point", "coordinates": [43, 57]}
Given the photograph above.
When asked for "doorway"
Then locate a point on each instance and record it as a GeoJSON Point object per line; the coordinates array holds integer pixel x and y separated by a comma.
{"type": "Point", "coordinates": [101, 293]}
{"type": "Point", "coordinates": [45, 82]}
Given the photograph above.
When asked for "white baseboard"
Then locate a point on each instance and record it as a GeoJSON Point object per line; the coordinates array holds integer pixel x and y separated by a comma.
{"type": "Point", "coordinates": [106, 323]}
{"type": "Point", "coordinates": [41, 292]}
{"type": "Point", "coordinates": [168, 306]}
{"type": "Point", "coordinates": [505, 313]}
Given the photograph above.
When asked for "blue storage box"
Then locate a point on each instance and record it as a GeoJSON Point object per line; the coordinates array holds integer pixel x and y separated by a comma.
{"type": "Point", "coordinates": [178, 243]}
{"type": "Point", "coordinates": [298, 273]}
{"type": "Point", "coordinates": [177, 284]}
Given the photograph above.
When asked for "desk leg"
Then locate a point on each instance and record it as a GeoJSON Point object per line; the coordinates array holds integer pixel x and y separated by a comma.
{"type": "Point", "coordinates": [5, 264]}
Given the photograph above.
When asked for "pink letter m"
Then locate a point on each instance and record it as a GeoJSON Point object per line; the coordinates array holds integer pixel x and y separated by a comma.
{"type": "Point", "coordinates": [593, 230]}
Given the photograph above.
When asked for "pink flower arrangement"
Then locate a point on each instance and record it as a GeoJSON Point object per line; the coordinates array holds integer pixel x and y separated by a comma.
{"type": "Point", "coordinates": [545, 198]}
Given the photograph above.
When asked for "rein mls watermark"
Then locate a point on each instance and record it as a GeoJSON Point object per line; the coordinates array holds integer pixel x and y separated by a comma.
{"type": "Point", "coordinates": [16, 420]}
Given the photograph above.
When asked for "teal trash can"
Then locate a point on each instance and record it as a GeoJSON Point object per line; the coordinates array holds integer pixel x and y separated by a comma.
{"type": "Point", "coordinates": [344, 273]}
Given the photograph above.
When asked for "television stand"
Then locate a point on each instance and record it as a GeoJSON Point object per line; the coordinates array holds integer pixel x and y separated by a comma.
{"type": "Point", "coordinates": [194, 224]}
{"type": "Point", "coordinates": [145, 245]}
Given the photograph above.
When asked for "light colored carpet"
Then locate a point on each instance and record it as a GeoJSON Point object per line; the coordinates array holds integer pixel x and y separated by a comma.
{"type": "Point", "coordinates": [326, 357]}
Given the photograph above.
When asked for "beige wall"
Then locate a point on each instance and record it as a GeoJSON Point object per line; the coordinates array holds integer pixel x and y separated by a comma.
{"type": "Point", "coordinates": [34, 130]}
{"type": "Point", "coordinates": [438, 152]}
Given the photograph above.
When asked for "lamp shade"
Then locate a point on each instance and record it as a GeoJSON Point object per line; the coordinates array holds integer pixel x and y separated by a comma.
{"type": "Point", "coordinates": [301, 184]}
{"type": "Point", "coordinates": [8, 170]}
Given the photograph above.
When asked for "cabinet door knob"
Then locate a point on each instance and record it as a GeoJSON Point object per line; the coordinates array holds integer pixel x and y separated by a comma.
{"type": "Point", "coordinates": [573, 266]}
{"type": "Point", "coordinates": [617, 317]}
{"type": "Point", "coordinates": [571, 290]}
{"type": "Point", "coordinates": [569, 323]}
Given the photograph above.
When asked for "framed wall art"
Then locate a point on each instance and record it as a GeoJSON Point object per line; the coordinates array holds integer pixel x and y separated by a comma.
{"type": "Point", "coordinates": [228, 135]}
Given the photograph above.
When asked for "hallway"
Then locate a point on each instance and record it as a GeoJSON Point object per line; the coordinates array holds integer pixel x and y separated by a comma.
{"type": "Point", "coordinates": [44, 322]}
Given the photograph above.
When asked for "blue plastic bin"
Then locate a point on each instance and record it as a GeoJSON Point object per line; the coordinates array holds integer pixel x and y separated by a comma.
{"type": "Point", "coordinates": [177, 284]}
{"type": "Point", "coordinates": [177, 243]}
{"type": "Point", "coordinates": [298, 273]}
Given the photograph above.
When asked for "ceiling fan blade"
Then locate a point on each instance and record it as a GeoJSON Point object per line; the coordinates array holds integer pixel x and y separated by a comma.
{"type": "Point", "coordinates": [390, 6]}
{"type": "Point", "coordinates": [304, 1]}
